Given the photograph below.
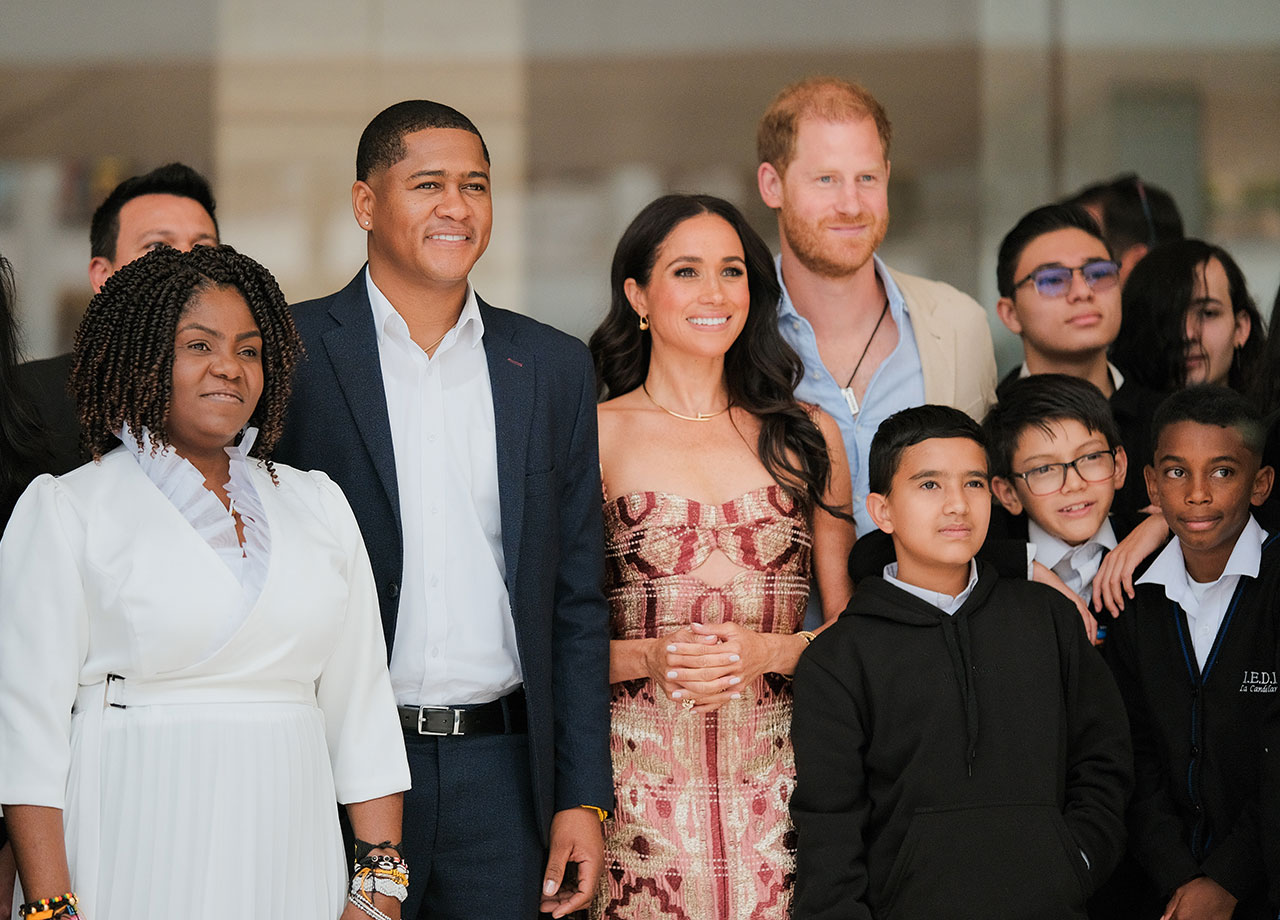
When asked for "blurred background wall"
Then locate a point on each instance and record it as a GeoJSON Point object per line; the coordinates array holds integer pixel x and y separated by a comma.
{"type": "Point", "coordinates": [593, 107]}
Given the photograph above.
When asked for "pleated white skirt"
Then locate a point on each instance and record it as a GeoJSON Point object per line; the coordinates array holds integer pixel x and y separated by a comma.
{"type": "Point", "coordinates": [213, 811]}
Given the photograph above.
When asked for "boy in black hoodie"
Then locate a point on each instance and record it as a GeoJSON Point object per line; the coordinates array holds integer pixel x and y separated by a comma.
{"type": "Point", "coordinates": [1196, 654]}
{"type": "Point", "coordinates": [961, 750]}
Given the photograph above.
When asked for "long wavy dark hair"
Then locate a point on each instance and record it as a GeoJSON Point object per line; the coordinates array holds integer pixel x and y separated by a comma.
{"type": "Point", "coordinates": [760, 369]}
{"type": "Point", "coordinates": [123, 368]}
{"type": "Point", "coordinates": [23, 446]}
{"type": "Point", "coordinates": [1152, 344]}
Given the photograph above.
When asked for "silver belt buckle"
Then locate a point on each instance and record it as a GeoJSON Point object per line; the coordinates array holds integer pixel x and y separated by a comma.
{"type": "Point", "coordinates": [457, 721]}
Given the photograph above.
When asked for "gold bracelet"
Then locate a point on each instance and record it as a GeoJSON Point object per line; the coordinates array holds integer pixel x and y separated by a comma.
{"type": "Point", "coordinates": [599, 811]}
{"type": "Point", "coordinates": [808, 636]}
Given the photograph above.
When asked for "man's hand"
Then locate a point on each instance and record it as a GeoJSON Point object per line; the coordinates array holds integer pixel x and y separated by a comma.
{"type": "Point", "coordinates": [1200, 899]}
{"type": "Point", "coordinates": [576, 837]}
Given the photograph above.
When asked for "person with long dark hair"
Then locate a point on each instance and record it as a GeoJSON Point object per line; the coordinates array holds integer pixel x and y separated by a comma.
{"type": "Point", "coordinates": [1187, 319]}
{"type": "Point", "coordinates": [22, 452]}
{"type": "Point", "coordinates": [723, 495]}
{"type": "Point", "coordinates": [192, 667]}
{"type": "Point", "coordinates": [22, 444]}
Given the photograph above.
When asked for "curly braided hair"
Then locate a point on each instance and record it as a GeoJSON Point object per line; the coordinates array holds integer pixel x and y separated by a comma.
{"type": "Point", "coordinates": [123, 367]}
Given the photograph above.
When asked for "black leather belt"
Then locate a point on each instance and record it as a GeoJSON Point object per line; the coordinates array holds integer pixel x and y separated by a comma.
{"type": "Point", "coordinates": [506, 716]}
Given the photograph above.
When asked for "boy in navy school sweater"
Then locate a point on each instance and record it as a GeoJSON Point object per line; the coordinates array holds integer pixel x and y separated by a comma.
{"type": "Point", "coordinates": [1195, 655]}
{"type": "Point", "coordinates": [961, 751]}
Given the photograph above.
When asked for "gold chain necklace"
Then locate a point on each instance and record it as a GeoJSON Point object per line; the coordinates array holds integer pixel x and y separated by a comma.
{"type": "Point", "coordinates": [700, 417]}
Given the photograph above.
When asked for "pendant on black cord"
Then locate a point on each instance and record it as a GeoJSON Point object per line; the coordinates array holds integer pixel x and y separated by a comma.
{"type": "Point", "coordinates": [850, 399]}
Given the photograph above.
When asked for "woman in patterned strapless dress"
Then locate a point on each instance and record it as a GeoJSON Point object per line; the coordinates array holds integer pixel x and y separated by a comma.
{"type": "Point", "coordinates": [723, 496]}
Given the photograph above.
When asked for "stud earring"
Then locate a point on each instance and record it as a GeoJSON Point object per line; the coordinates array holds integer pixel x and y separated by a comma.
{"type": "Point", "coordinates": [644, 323]}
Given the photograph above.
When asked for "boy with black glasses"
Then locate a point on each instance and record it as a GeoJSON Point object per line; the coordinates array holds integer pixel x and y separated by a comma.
{"type": "Point", "coordinates": [1056, 455]}
{"type": "Point", "coordinates": [1060, 292]}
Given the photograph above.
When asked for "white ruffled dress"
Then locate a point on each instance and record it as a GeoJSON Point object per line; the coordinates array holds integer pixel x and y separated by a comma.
{"type": "Point", "coordinates": [195, 708]}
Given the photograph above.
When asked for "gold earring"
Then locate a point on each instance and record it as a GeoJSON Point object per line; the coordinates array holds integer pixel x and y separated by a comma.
{"type": "Point", "coordinates": [644, 323]}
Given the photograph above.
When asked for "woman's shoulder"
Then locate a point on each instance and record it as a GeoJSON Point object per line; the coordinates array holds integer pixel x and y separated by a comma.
{"type": "Point", "coordinates": [312, 488]}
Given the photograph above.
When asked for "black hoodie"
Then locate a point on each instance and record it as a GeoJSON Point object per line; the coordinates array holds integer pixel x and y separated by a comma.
{"type": "Point", "coordinates": [974, 765]}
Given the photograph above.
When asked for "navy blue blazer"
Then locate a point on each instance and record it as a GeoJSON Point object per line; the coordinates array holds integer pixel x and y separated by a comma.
{"type": "Point", "coordinates": [544, 407]}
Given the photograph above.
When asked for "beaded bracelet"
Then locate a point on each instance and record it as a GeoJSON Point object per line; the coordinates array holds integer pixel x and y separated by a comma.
{"type": "Point", "coordinates": [64, 905]}
{"type": "Point", "coordinates": [363, 848]}
{"type": "Point", "coordinates": [388, 875]}
{"type": "Point", "coordinates": [364, 904]}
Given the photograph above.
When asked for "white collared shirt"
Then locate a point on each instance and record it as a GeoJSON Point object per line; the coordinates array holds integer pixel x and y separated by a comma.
{"type": "Point", "coordinates": [455, 640]}
{"type": "Point", "coordinates": [1117, 378]}
{"type": "Point", "coordinates": [1075, 565]}
{"type": "Point", "coordinates": [1205, 604]}
{"type": "Point", "coordinates": [944, 602]}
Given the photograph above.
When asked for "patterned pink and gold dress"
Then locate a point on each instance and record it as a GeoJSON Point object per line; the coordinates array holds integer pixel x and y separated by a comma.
{"type": "Point", "coordinates": [702, 830]}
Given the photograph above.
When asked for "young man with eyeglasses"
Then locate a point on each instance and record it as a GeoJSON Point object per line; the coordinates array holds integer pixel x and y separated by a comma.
{"type": "Point", "coordinates": [1060, 292]}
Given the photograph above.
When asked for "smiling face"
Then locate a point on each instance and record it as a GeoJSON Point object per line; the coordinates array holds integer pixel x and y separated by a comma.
{"type": "Point", "coordinates": [697, 297]}
{"type": "Point", "coordinates": [1074, 513]}
{"type": "Point", "coordinates": [1213, 329]}
{"type": "Point", "coordinates": [1076, 326]}
{"type": "Point", "coordinates": [1204, 479]}
{"type": "Point", "coordinates": [217, 372]}
{"type": "Point", "coordinates": [428, 216]}
{"type": "Point", "coordinates": [937, 510]}
{"type": "Point", "coordinates": [832, 200]}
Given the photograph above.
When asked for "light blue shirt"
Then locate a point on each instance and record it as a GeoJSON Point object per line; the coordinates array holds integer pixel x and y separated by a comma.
{"type": "Point", "coordinates": [898, 383]}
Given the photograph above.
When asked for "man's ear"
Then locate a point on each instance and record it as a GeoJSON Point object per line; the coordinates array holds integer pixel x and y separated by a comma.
{"type": "Point", "coordinates": [362, 199]}
{"type": "Point", "coordinates": [100, 269]}
{"type": "Point", "coordinates": [1006, 494]}
{"type": "Point", "coordinates": [878, 508]}
{"type": "Point", "coordinates": [1008, 314]}
{"type": "Point", "coordinates": [1262, 484]}
{"type": "Point", "coordinates": [769, 181]}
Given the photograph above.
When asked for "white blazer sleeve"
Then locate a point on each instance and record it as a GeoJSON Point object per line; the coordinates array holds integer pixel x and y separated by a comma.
{"type": "Point", "coordinates": [366, 744]}
{"type": "Point", "coordinates": [44, 640]}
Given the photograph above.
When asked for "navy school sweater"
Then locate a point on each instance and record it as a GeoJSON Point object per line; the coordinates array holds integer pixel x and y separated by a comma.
{"type": "Point", "coordinates": [1199, 735]}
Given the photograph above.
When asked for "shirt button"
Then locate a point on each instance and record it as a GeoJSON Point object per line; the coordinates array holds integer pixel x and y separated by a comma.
{"type": "Point", "coordinates": [795, 324]}
{"type": "Point", "coordinates": [435, 580]}
{"type": "Point", "coordinates": [393, 590]}
{"type": "Point", "coordinates": [431, 438]}
{"type": "Point", "coordinates": [434, 509]}
{"type": "Point", "coordinates": [1195, 751]}
{"type": "Point", "coordinates": [435, 653]}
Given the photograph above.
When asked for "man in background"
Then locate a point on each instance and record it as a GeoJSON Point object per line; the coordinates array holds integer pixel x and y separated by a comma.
{"type": "Point", "coordinates": [1134, 216]}
{"type": "Point", "coordinates": [170, 206]}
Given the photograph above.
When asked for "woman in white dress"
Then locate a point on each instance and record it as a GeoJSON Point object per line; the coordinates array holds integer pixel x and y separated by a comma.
{"type": "Point", "coordinates": [192, 669]}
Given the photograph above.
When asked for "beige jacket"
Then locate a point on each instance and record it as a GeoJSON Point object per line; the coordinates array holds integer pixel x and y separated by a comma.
{"type": "Point", "coordinates": [954, 341]}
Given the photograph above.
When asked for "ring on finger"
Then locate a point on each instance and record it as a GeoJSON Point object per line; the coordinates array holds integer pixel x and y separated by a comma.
{"type": "Point", "coordinates": [687, 704]}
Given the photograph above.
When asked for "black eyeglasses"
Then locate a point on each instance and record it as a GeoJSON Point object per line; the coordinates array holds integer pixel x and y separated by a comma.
{"type": "Point", "coordinates": [1051, 477]}
{"type": "Point", "coordinates": [1055, 280]}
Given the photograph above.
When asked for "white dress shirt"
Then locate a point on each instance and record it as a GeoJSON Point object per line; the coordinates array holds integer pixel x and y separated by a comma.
{"type": "Point", "coordinates": [455, 641]}
{"type": "Point", "coordinates": [944, 602]}
{"type": "Point", "coordinates": [1075, 565]}
{"type": "Point", "coordinates": [1205, 603]}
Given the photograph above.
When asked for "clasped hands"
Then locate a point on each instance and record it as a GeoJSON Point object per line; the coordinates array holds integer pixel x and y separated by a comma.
{"type": "Point", "coordinates": [710, 664]}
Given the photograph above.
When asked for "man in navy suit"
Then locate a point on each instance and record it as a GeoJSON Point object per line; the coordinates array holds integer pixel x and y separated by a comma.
{"type": "Point", "coordinates": [465, 439]}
